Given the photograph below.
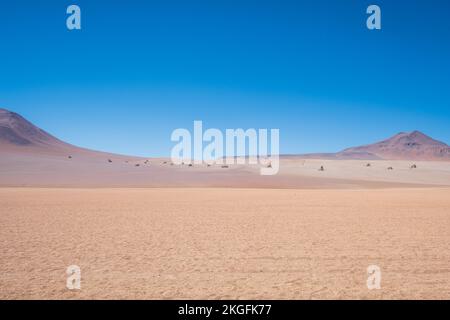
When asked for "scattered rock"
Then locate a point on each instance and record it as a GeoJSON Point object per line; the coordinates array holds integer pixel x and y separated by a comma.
{"type": "Point", "coordinates": [368, 165]}
{"type": "Point", "coordinates": [414, 166]}
{"type": "Point", "coordinates": [109, 160]}
{"type": "Point", "coordinates": [70, 157]}
{"type": "Point", "coordinates": [322, 168]}
{"type": "Point", "coordinates": [225, 167]}
{"type": "Point", "coordinates": [390, 168]}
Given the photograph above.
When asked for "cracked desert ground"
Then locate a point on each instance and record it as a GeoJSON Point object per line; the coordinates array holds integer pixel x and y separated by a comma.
{"type": "Point", "coordinates": [217, 243]}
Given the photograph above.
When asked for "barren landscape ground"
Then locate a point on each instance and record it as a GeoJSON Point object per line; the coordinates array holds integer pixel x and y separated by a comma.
{"type": "Point", "coordinates": [224, 243]}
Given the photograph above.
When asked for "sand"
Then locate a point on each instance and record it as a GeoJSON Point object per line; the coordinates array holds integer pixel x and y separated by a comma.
{"type": "Point", "coordinates": [213, 243]}
{"type": "Point", "coordinates": [31, 169]}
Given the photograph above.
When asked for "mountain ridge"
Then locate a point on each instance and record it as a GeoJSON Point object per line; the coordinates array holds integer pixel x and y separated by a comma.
{"type": "Point", "coordinates": [413, 145]}
{"type": "Point", "coordinates": [17, 130]}
{"type": "Point", "coordinates": [18, 133]}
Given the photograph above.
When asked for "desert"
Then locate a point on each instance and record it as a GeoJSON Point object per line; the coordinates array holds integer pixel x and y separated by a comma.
{"type": "Point", "coordinates": [143, 228]}
{"type": "Point", "coordinates": [215, 243]}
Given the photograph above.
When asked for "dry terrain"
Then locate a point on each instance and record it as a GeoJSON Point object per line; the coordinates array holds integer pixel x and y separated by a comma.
{"type": "Point", "coordinates": [224, 243]}
{"type": "Point", "coordinates": [149, 229]}
{"type": "Point", "coordinates": [25, 170]}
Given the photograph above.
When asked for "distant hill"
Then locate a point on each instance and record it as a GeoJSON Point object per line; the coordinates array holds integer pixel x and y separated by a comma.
{"type": "Point", "coordinates": [17, 131]}
{"type": "Point", "coordinates": [402, 146]}
{"type": "Point", "coordinates": [19, 135]}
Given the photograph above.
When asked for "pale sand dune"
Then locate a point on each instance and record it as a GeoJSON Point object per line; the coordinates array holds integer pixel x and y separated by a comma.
{"type": "Point", "coordinates": [224, 243]}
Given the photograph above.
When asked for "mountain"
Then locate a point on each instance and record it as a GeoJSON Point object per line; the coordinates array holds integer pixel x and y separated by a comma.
{"type": "Point", "coordinates": [403, 146]}
{"type": "Point", "coordinates": [413, 145]}
{"type": "Point", "coordinates": [16, 131]}
{"type": "Point", "coordinates": [19, 136]}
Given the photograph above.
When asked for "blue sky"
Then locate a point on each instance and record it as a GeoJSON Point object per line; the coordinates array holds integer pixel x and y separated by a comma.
{"type": "Point", "coordinates": [139, 69]}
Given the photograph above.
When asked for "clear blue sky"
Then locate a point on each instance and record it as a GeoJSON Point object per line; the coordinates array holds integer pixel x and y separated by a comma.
{"type": "Point", "coordinates": [139, 69]}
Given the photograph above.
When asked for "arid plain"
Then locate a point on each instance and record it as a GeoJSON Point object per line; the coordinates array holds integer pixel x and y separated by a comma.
{"type": "Point", "coordinates": [224, 243]}
{"type": "Point", "coordinates": [148, 229]}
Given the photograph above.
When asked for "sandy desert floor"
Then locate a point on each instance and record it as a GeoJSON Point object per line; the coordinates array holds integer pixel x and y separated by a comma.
{"type": "Point", "coordinates": [225, 243]}
{"type": "Point", "coordinates": [25, 170]}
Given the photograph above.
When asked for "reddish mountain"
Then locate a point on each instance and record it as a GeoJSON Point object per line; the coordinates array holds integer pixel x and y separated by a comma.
{"type": "Point", "coordinates": [19, 136]}
{"type": "Point", "coordinates": [16, 131]}
{"type": "Point", "coordinates": [403, 146]}
{"type": "Point", "coordinates": [408, 146]}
